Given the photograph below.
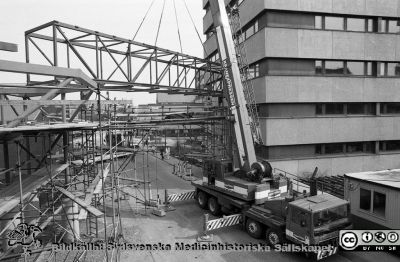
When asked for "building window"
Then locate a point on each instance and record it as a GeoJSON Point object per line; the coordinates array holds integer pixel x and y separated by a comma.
{"type": "Point", "coordinates": [355, 147]}
{"type": "Point", "coordinates": [356, 24]}
{"type": "Point", "coordinates": [390, 108]}
{"type": "Point", "coordinates": [390, 26]}
{"type": "Point", "coordinates": [365, 199]}
{"type": "Point", "coordinates": [318, 67]}
{"type": "Point", "coordinates": [369, 69]}
{"type": "Point", "coordinates": [349, 109]}
{"type": "Point", "coordinates": [379, 204]}
{"type": "Point", "coordinates": [393, 69]}
{"type": "Point", "coordinates": [334, 109]}
{"type": "Point", "coordinates": [334, 67]}
{"type": "Point", "coordinates": [334, 23]}
{"type": "Point", "coordinates": [290, 67]}
{"type": "Point", "coordinates": [318, 22]}
{"type": "Point", "coordinates": [334, 148]}
{"type": "Point", "coordinates": [370, 25]}
{"type": "Point", "coordinates": [355, 68]}
{"type": "Point", "coordinates": [253, 71]}
{"type": "Point", "coordinates": [252, 28]}
{"type": "Point", "coordinates": [390, 145]}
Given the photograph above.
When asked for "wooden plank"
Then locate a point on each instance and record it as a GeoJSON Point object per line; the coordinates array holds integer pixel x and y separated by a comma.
{"type": "Point", "coordinates": [90, 190]}
{"type": "Point", "coordinates": [80, 202]}
{"type": "Point", "coordinates": [79, 162]}
{"type": "Point", "coordinates": [5, 46]}
{"type": "Point", "coordinates": [10, 195]}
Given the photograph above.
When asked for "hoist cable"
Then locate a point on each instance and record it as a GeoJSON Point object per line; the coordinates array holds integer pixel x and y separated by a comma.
{"type": "Point", "coordinates": [177, 25]}
{"type": "Point", "coordinates": [144, 18]}
{"type": "Point", "coordinates": [159, 23]}
{"type": "Point", "coordinates": [194, 25]}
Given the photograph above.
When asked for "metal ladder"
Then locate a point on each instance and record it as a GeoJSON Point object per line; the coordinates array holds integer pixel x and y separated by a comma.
{"type": "Point", "coordinates": [236, 28]}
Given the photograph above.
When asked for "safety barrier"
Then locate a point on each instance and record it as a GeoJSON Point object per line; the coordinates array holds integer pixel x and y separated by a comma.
{"type": "Point", "coordinates": [209, 225]}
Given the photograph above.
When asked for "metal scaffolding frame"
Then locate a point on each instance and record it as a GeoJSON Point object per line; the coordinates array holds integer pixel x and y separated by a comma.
{"type": "Point", "coordinates": [82, 161]}
{"type": "Point", "coordinates": [137, 67]}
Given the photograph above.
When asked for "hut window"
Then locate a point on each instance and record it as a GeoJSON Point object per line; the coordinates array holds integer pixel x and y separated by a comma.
{"type": "Point", "coordinates": [365, 199]}
{"type": "Point", "coordinates": [379, 204]}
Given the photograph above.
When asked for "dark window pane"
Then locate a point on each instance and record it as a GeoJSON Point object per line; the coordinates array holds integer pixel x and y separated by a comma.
{"type": "Point", "coordinates": [334, 109]}
{"type": "Point", "coordinates": [290, 67]}
{"type": "Point", "coordinates": [249, 31]}
{"type": "Point", "coordinates": [393, 26]}
{"type": "Point", "coordinates": [365, 199]}
{"type": "Point", "coordinates": [334, 23]}
{"type": "Point", "coordinates": [370, 147]}
{"type": "Point", "coordinates": [392, 108]}
{"type": "Point", "coordinates": [356, 24]}
{"type": "Point", "coordinates": [318, 110]}
{"type": "Point", "coordinates": [355, 68]}
{"type": "Point", "coordinates": [318, 67]}
{"type": "Point", "coordinates": [379, 206]}
{"type": "Point", "coordinates": [334, 67]}
{"type": "Point", "coordinates": [355, 109]}
{"type": "Point", "coordinates": [333, 148]}
{"type": "Point", "coordinates": [393, 69]}
{"type": "Point", "coordinates": [356, 147]}
{"type": "Point", "coordinates": [318, 149]}
{"type": "Point", "coordinates": [318, 22]}
{"type": "Point", "coordinates": [370, 109]}
{"type": "Point", "coordinates": [392, 145]}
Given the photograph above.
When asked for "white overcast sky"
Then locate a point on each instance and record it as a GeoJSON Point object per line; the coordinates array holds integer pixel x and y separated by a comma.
{"type": "Point", "coordinates": [115, 17]}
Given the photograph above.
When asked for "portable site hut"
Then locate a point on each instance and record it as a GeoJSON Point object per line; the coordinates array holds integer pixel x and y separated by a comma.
{"type": "Point", "coordinates": [374, 198]}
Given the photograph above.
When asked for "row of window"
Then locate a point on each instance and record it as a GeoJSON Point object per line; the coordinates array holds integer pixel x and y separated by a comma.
{"type": "Point", "coordinates": [316, 21]}
{"type": "Point", "coordinates": [309, 67]}
{"type": "Point", "coordinates": [331, 22]}
{"type": "Point", "coordinates": [327, 149]}
{"type": "Point", "coordinates": [286, 110]}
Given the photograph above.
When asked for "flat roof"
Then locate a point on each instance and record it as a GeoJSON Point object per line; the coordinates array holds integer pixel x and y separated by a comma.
{"type": "Point", "coordinates": [388, 178]}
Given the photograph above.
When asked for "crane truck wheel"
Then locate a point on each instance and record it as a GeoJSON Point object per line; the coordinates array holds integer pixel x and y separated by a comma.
{"type": "Point", "coordinates": [274, 237]}
{"type": "Point", "coordinates": [253, 228]}
{"type": "Point", "coordinates": [202, 199]}
{"type": "Point", "coordinates": [213, 206]}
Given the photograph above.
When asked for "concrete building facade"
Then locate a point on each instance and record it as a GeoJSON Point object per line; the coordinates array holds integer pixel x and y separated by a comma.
{"type": "Point", "coordinates": [326, 79]}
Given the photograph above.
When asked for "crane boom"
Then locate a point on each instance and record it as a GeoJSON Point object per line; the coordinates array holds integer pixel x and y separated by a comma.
{"type": "Point", "coordinates": [233, 84]}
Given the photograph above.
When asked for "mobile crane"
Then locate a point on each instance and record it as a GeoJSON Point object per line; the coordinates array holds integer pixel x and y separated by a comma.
{"type": "Point", "coordinates": [248, 186]}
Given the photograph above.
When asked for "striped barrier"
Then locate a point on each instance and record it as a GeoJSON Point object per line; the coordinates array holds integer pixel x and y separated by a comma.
{"type": "Point", "coordinates": [181, 196]}
{"type": "Point", "coordinates": [226, 221]}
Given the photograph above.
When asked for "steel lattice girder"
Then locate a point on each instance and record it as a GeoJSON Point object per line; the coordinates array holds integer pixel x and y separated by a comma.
{"type": "Point", "coordinates": [141, 67]}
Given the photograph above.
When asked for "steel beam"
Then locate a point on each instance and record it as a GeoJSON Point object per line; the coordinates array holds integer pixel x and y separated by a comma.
{"type": "Point", "coordinates": [8, 47]}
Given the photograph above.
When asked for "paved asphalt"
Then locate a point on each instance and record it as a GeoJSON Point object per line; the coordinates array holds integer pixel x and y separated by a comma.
{"type": "Point", "coordinates": [185, 223]}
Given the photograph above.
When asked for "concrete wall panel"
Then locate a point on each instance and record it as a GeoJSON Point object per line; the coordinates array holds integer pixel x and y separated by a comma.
{"type": "Point", "coordinates": [348, 45]}
{"type": "Point", "coordinates": [293, 131]}
{"type": "Point", "coordinates": [302, 89]}
{"type": "Point", "coordinates": [339, 165]}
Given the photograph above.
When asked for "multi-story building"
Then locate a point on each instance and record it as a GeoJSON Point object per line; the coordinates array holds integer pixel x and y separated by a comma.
{"type": "Point", "coordinates": [326, 80]}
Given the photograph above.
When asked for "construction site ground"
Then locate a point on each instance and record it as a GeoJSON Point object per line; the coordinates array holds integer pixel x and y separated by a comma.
{"type": "Point", "coordinates": [186, 223]}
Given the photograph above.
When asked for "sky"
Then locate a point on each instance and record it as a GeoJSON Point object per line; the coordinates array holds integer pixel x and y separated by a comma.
{"type": "Point", "coordinates": [116, 17]}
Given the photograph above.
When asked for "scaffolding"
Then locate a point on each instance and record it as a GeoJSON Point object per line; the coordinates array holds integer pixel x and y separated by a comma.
{"type": "Point", "coordinates": [76, 160]}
